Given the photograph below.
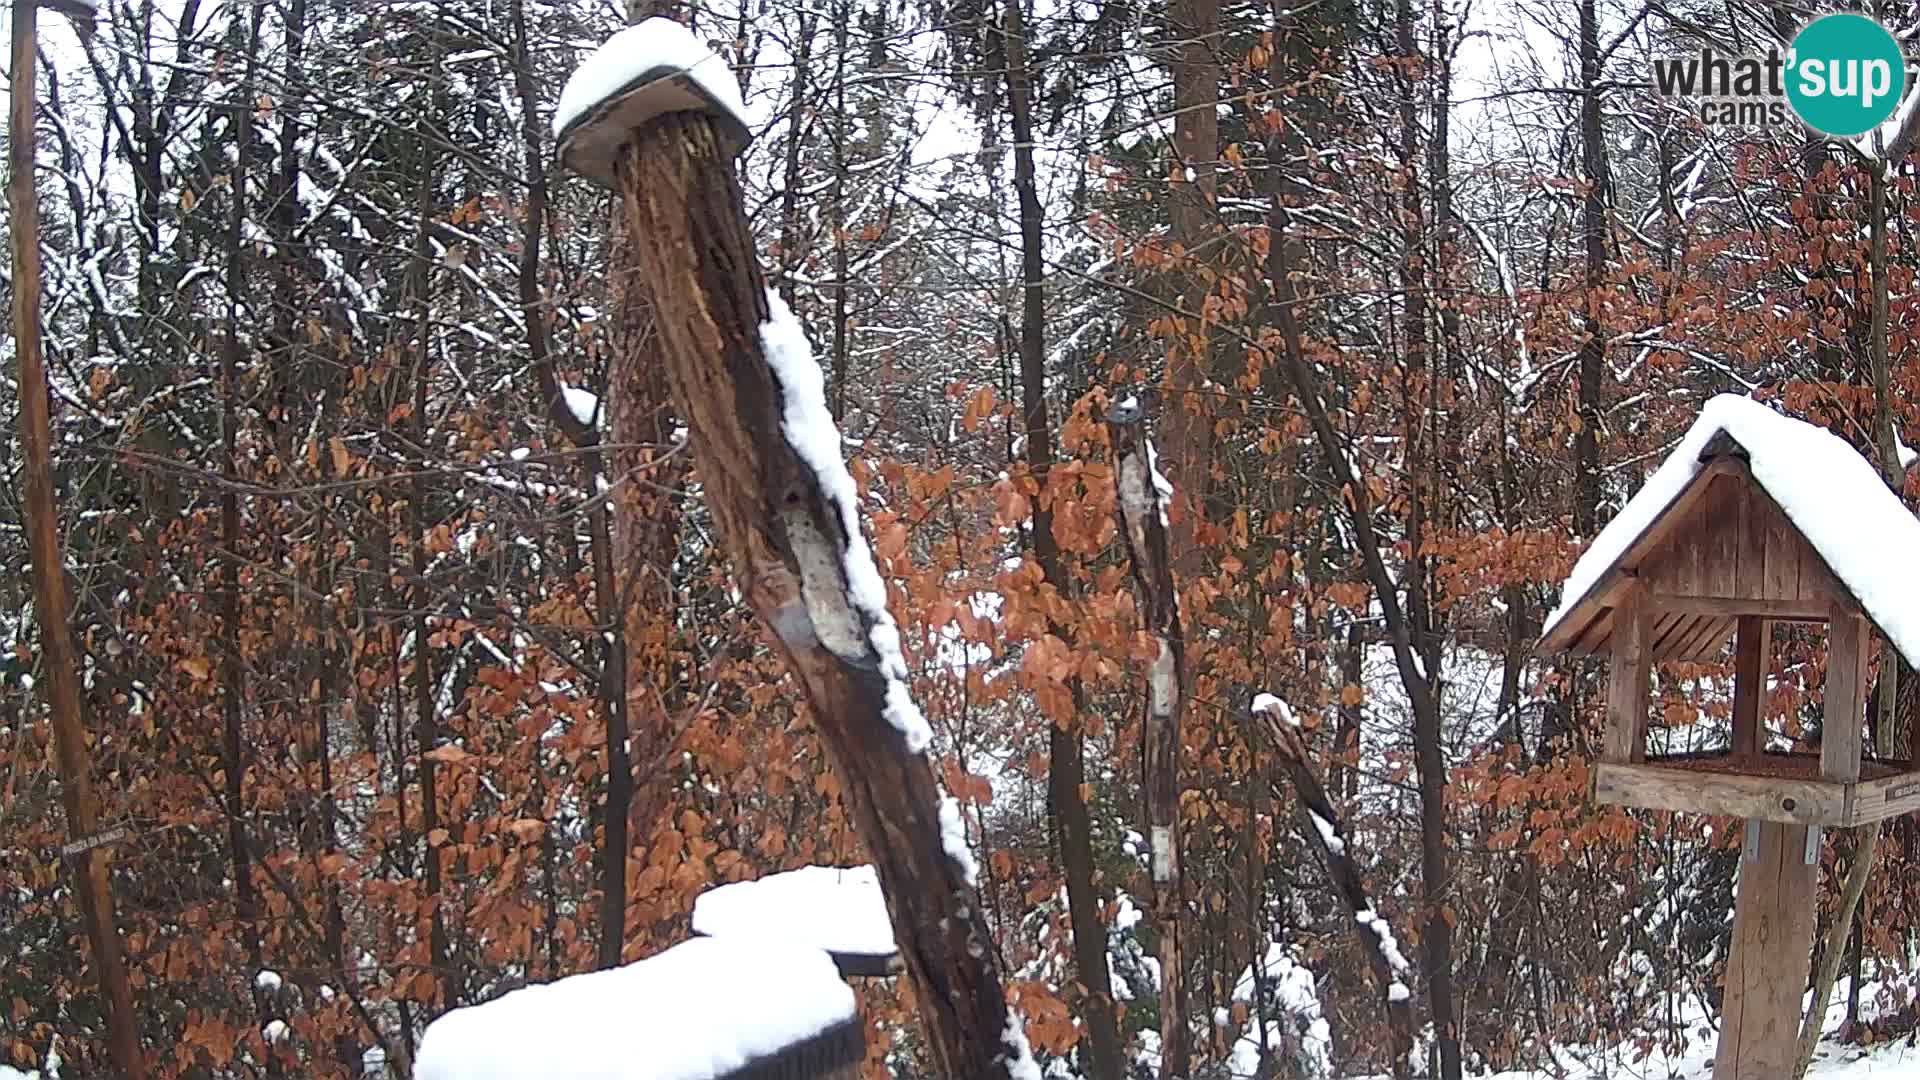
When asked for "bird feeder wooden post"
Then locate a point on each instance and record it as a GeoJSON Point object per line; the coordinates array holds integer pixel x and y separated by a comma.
{"type": "Point", "coordinates": [658, 120]}
{"type": "Point", "coordinates": [1722, 558]}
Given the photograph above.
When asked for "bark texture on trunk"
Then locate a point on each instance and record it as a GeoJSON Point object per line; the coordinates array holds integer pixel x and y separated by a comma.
{"type": "Point", "coordinates": [1067, 772]}
{"type": "Point", "coordinates": [1143, 495]}
{"type": "Point", "coordinates": [787, 540]}
{"type": "Point", "coordinates": [50, 600]}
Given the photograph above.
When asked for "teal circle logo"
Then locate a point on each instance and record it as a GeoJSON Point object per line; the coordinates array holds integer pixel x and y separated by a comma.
{"type": "Point", "coordinates": [1845, 75]}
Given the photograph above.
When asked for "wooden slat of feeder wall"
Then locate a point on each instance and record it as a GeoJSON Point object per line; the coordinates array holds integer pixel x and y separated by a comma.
{"type": "Point", "coordinates": [1849, 646]}
{"type": "Point", "coordinates": [1630, 676]}
{"type": "Point", "coordinates": [1737, 555]}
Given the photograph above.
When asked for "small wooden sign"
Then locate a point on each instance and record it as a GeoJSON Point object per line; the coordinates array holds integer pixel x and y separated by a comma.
{"type": "Point", "coordinates": [88, 843]}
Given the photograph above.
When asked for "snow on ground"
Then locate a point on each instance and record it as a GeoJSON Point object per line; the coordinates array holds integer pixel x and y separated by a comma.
{"type": "Point", "coordinates": [1830, 493]}
{"type": "Point", "coordinates": [839, 909]}
{"type": "Point", "coordinates": [694, 1012]}
{"type": "Point", "coordinates": [658, 43]}
{"type": "Point", "coordinates": [1832, 1061]}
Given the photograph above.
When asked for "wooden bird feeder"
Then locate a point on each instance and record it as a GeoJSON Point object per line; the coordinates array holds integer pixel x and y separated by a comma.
{"type": "Point", "coordinates": [1714, 549]}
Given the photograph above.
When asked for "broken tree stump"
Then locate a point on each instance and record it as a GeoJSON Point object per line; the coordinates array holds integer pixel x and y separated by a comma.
{"type": "Point", "coordinates": [785, 512]}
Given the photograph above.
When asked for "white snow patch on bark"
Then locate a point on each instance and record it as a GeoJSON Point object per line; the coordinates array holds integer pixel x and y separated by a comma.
{"type": "Point", "coordinates": [810, 430]}
{"type": "Point", "coordinates": [1020, 1063]}
{"type": "Point", "coordinates": [953, 839]}
{"type": "Point", "coordinates": [584, 406]}
{"type": "Point", "coordinates": [1328, 835]}
{"type": "Point", "coordinates": [1264, 702]}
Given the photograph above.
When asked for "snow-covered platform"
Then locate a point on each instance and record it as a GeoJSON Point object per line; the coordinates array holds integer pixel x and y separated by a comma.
{"type": "Point", "coordinates": [643, 72]}
{"type": "Point", "coordinates": [836, 909]}
{"type": "Point", "coordinates": [1754, 518]}
{"type": "Point", "coordinates": [706, 1009]}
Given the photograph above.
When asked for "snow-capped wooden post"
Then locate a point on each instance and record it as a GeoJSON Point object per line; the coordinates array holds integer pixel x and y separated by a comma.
{"type": "Point", "coordinates": [1754, 518]}
{"type": "Point", "coordinates": [1142, 497]}
{"type": "Point", "coordinates": [657, 117]}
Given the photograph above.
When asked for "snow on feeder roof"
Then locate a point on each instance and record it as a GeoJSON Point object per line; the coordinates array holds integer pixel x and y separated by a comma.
{"type": "Point", "coordinates": [706, 1009]}
{"type": "Point", "coordinates": [647, 70]}
{"type": "Point", "coordinates": [1850, 537]}
{"type": "Point", "coordinates": [838, 909]}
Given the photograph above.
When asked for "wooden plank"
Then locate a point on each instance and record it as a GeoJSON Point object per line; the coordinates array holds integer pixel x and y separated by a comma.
{"type": "Point", "coordinates": [1792, 609]}
{"type": "Point", "coordinates": [1767, 965]}
{"type": "Point", "coordinates": [1708, 642]}
{"type": "Point", "coordinates": [1720, 540]}
{"type": "Point", "coordinates": [1667, 635]}
{"type": "Point", "coordinates": [1877, 800]}
{"type": "Point", "coordinates": [1752, 650]}
{"type": "Point", "coordinates": [1815, 579]}
{"type": "Point", "coordinates": [1594, 638]}
{"type": "Point", "coordinates": [1751, 561]}
{"type": "Point", "coordinates": [1629, 681]}
{"type": "Point", "coordinates": [1697, 791]}
{"type": "Point", "coordinates": [1783, 554]}
{"type": "Point", "coordinates": [1845, 707]}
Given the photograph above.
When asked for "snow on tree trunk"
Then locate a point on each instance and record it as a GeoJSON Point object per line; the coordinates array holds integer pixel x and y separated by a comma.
{"type": "Point", "coordinates": [785, 511]}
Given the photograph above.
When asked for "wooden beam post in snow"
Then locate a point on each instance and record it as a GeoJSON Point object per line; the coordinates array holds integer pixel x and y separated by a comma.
{"type": "Point", "coordinates": [1772, 948]}
{"type": "Point", "coordinates": [784, 511]}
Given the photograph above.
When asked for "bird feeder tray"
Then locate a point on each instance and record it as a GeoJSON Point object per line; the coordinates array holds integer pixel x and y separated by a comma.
{"type": "Point", "coordinates": [592, 145]}
{"type": "Point", "coordinates": [1787, 788]}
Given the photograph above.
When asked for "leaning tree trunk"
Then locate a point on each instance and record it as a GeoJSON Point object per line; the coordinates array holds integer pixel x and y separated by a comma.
{"type": "Point", "coordinates": [1325, 833]}
{"type": "Point", "coordinates": [785, 512]}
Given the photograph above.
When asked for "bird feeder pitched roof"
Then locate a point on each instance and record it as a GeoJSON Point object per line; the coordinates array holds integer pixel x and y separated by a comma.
{"type": "Point", "coordinates": [706, 1009]}
{"type": "Point", "coordinates": [838, 909]}
{"type": "Point", "coordinates": [1753, 513]}
{"type": "Point", "coordinates": [647, 70]}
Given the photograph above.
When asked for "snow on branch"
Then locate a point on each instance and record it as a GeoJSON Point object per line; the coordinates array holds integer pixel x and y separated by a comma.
{"type": "Point", "coordinates": [1327, 836]}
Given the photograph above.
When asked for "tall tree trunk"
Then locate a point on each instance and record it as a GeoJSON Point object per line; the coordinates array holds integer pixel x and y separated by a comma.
{"type": "Point", "coordinates": [233, 688]}
{"type": "Point", "coordinates": [1593, 229]}
{"type": "Point", "coordinates": [87, 850]}
{"type": "Point", "coordinates": [1073, 825]}
{"type": "Point", "coordinates": [1193, 27]}
{"type": "Point", "coordinates": [1424, 641]}
{"type": "Point", "coordinates": [1140, 502]}
{"type": "Point", "coordinates": [789, 525]}
{"type": "Point", "coordinates": [426, 725]}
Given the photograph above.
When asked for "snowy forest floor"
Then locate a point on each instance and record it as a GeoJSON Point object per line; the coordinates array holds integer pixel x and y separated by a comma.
{"type": "Point", "coordinates": [1833, 1060]}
